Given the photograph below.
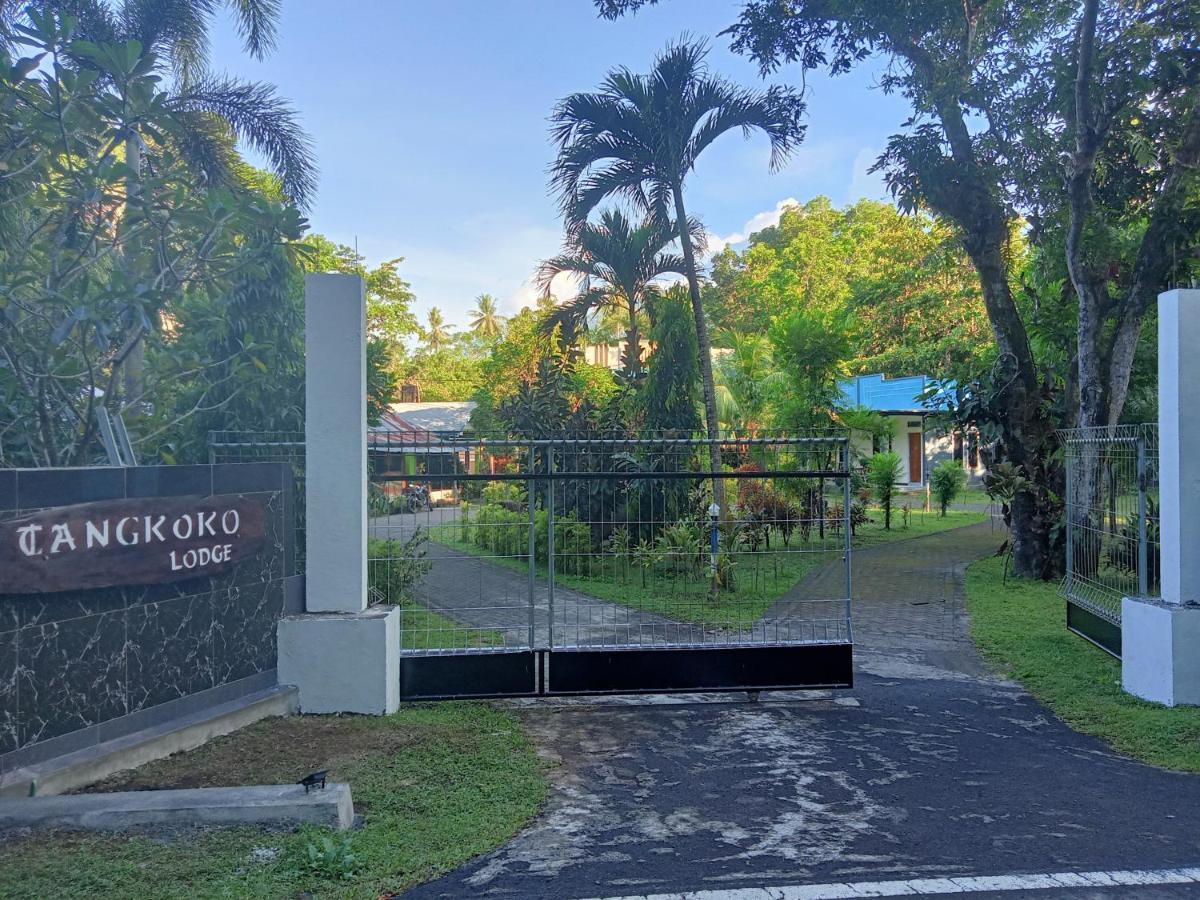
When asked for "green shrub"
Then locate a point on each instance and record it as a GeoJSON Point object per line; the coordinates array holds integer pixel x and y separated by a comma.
{"type": "Point", "coordinates": [395, 568]}
{"type": "Point", "coordinates": [681, 547]}
{"type": "Point", "coordinates": [946, 482]}
{"type": "Point", "coordinates": [883, 471]}
{"type": "Point", "coordinates": [505, 532]}
{"type": "Point", "coordinates": [378, 502]}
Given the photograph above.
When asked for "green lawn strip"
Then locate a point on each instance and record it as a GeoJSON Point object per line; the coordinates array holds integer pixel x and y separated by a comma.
{"type": "Point", "coordinates": [437, 784]}
{"type": "Point", "coordinates": [424, 629]}
{"type": "Point", "coordinates": [760, 579]}
{"type": "Point", "coordinates": [1021, 628]}
{"type": "Point", "coordinates": [920, 523]}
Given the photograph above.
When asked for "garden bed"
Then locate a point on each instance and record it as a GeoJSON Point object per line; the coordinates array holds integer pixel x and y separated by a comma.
{"type": "Point", "coordinates": [434, 784]}
{"type": "Point", "coordinates": [1020, 627]}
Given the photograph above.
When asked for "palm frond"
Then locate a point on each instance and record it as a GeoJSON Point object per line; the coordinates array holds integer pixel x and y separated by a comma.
{"type": "Point", "coordinates": [572, 315]}
{"type": "Point", "coordinates": [257, 24]}
{"type": "Point", "coordinates": [266, 122]}
{"type": "Point", "coordinates": [176, 30]}
{"type": "Point", "coordinates": [721, 108]}
{"type": "Point", "coordinates": [207, 145]}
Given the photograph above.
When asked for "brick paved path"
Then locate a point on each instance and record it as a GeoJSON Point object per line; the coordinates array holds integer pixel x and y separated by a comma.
{"type": "Point", "coordinates": [908, 595]}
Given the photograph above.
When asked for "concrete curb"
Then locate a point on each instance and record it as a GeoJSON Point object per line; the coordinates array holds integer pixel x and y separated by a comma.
{"type": "Point", "coordinates": [273, 804]}
{"type": "Point", "coordinates": [64, 773]}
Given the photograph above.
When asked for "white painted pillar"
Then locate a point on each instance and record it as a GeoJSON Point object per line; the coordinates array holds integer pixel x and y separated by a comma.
{"type": "Point", "coordinates": [335, 438]}
{"type": "Point", "coordinates": [341, 655]}
{"type": "Point", "coordinates": [1160, 639]}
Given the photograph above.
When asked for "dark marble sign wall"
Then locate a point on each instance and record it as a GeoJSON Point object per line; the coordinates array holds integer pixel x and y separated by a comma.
{"type": "Point", "coordinates": [78, 667]}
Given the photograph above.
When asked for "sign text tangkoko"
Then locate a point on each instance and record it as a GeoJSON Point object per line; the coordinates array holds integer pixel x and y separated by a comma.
{"type": "Point", "coordinates": [118, 542]}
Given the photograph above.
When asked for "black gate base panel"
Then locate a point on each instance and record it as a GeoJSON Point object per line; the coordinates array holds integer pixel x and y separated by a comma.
{"type": "Point", "coordinates": [667, 670]}
{"type": "Point", "coordinates": [633, 670]}
{"type": "Point", "coordinates": [459, 675]}
{"type": "Point", "coordinates": [1101, 632]}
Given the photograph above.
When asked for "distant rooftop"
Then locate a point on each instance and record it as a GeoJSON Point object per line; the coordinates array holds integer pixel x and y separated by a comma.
{"type": "Point", "coordinates": [884, 394]}
{"type": "Point", "coordinates": [449, 415]}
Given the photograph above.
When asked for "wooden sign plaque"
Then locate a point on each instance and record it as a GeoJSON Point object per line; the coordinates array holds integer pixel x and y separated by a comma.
{"type": "Point", "coordinates": [127, 542]}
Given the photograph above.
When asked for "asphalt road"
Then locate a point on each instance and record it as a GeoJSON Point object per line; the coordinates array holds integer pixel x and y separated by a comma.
{"type": "Point", "coordinates": [931, 767]}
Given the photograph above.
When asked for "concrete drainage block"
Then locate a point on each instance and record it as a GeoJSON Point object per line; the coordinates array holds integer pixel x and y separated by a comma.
{"type": "Point", "coordinates": [270, 804]}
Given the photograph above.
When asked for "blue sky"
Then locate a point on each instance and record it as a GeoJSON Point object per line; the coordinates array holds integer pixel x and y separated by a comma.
{"type": "Point", "coordinates": [430, 126]}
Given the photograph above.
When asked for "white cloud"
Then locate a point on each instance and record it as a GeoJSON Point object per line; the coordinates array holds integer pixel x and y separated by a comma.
{"type": "Point", "coordinates": [768, 218]}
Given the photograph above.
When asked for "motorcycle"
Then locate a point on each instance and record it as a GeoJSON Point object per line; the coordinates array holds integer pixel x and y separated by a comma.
{"type": "Point", "coordinates": [418, 498]}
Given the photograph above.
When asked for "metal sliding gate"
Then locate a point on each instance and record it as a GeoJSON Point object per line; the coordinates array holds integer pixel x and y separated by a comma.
{"type": "Point", "coordinates": [613, 565]}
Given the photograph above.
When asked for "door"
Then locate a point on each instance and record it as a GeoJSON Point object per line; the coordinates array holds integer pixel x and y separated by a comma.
{"type": "Point", "coordinates": [914, 457]}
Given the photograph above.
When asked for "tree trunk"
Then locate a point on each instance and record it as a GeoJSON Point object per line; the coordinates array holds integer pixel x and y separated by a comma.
{"type": "Point", "coordinates": [633, 343]}
{"type": "Point", "coordinates": [704, 346]}
{"type": "Point", "coordinates": [1027, 433]}
{"type": "Point", "coordinates": [1088, 284]}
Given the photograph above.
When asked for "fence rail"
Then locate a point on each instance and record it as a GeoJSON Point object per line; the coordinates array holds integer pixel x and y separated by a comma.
{"type": "Point", "coordinates": [1112, 517]}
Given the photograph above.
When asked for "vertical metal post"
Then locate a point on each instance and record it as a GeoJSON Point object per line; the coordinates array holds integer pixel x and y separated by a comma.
{"type": "Point", "coordinates": [847, 520]}
{"type": "Point", "coordinates": [550, 544]}
{"type": "Point", "coordinates": [1143, 545]}
{"type": "Point", "coordinates": [1070, 516]}
{"type": "Point", "coordinates": [531, 496]}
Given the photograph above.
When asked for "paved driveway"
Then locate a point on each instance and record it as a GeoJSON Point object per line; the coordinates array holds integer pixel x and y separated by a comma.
{"type": "Point", "coordinates": [931, 768]}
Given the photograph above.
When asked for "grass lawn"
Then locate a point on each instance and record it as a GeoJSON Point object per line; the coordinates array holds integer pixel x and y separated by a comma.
{"type": "Point", "coordinates": [760, 578]}
{"type": "Point", "coordinates": [919, 523]}
{"type": "Point", "coordinates": [436, 784]}
{"type": "Point", "coordinates": [1021, 628]}
{"type": "Point", "coordinates": [424, 629]}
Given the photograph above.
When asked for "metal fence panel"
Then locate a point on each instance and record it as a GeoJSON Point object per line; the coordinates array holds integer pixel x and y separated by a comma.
{"type": "Point", "coordinates": [1112, 517]}
{"type": "Point", "coordinates": [505, 546]}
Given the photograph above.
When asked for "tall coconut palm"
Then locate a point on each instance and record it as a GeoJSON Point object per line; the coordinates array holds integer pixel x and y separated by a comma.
{"type": "Point", "coordinates": [486, 320]}
{"type": "Point", "coordinates": [437, 334]}
{"type": "Point", "coordinates": [617, 263]}
{"type": "Point", "coordinates": [640, 136]}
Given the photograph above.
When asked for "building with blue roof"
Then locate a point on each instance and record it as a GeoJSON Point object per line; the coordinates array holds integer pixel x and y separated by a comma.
{"type": "Point", "coordinates": [916, 438]}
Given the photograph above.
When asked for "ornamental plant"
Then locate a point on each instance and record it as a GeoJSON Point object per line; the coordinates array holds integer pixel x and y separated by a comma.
{"type": "Point", "coordinates": [883, 471]}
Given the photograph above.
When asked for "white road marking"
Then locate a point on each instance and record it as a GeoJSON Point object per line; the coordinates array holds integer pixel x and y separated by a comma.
{"type": "Point", "coordinates": [933, 886]}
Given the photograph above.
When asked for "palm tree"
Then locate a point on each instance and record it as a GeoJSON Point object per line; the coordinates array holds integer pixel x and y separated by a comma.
{"type": "Point", "coordinates": [487, 321]}
{"type": "Point", "coordinates": [617, 262]}
{"type": "Point", "coordinates": [176, 34]}
{"type": "Point", "coordinates": [747, 380]}
{"type": "Point", "coordinates": [438, 332]}
{"type": "Point", "coordinates": [639, 137]}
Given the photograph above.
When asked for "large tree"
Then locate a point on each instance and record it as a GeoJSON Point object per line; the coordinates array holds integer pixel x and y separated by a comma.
{"type": "Point", "coordinates": [913, 292]}
{"type": "Point", "coordinates": [1128, 92]}
{"type": "Point", "coordinates": [640, 136]}
{"type": "Point", "coordinates": [617, 263]}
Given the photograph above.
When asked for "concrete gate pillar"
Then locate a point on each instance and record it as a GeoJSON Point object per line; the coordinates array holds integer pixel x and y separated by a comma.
{"type": "Point", "coordinates": [343, 656]}
{"type": "Point", "coordinates": [1160, 638]}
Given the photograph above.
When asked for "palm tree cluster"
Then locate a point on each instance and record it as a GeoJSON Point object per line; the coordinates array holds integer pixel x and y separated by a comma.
{"type": "Point", "coordinates": [636, 140]}
{"type": "Point", "coordinates": [616, 262]}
